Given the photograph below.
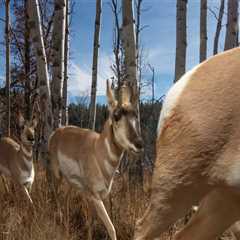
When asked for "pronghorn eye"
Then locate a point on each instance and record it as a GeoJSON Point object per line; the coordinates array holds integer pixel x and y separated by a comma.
{"type": "Point", "coordinates": [30, 138]}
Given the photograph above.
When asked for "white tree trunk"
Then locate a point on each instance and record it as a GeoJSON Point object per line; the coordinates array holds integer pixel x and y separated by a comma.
{"type": "Point", "coordinates": [27, 63]}
{"type": "Point", "coordinates": [58, 37]}
{"type": "Point", "coordinates": [129, 45]}
{"type": "Point", "coordinates": [116, 42]}
{"type": "Point", "coordinates": [92, 107]}
{"type": "Point", "coordinates": [8, 75]}
{"type": "Point", "coordinates": [42, 74]}
{"type": "Point", "coordinates": [181, 39]}
{"type": "Point", "coordinates": [203, 31]}
{"type": "Point", "coordinates": [231, 39]}
{"type": "Point", "coordinates": [65, 77]}
{"type": "Point", "coordinates": [219, 27]}
{"type": "Point", "coordinates": [130, 64]}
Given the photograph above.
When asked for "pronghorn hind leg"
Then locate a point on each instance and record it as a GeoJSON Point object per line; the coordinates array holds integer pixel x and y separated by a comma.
{"type": "Point", "coordinates": [214, 216]}
{"type": "Point", "coordinates": [102, 213]}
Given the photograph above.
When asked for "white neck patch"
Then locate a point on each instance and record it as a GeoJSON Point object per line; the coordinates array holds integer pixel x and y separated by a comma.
{"type": "Point", "coordinates": [111, 154]}
{"type": "Point", "coordinates": [26, 152]}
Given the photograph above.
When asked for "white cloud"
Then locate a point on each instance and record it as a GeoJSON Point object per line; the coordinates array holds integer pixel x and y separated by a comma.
{"type": "Point", "coordinates": [80, 76]}
{"type": "Point", "coordinates": [79, 80]}
{"type": "Point", "coordinates": [162, 58]}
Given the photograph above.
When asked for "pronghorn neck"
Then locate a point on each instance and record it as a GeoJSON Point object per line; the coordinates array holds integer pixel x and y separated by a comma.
{"type": "Point", "coordinates": [113, 148]}
{"type": "Point", "coordinates": [111, 152]}
{"type": "Point", "coordinates": [26, 151]}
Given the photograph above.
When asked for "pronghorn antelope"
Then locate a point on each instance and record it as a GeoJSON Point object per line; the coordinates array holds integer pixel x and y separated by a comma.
{"type": "Point", "coordinates": [16, 159]}
{"type": "Point", "coordinates": [89, 160]}
{"type": "Point", "coordinates": [198, 153]}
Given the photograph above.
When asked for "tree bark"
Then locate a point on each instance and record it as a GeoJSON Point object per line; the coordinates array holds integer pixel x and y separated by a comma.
{"type": "Point", "coordinates": [27, 64]}
{"type": "Point", "coordinates": [116, 42]}
{"type": "Point", "coordinates": [203, 31]}
{"type": "Point", "coordinates": [138, 28]}
{"type": "Point", "coordinates": [92, 107]}
{"type": "Point", "coordinates": [152, 82]}
{"type": "Point", "coordinates": [219, 27]}
{"type": "Point", "coordinates": [42, 74]}
{"type": "Point", "coordinates": [139, 52]}
{"type": "Point", "coordinates": [181, 39]}
{"type": "Point", "coordinates": [130, 63]}
{"type": "Point", "coordinates": [65, 77]}
{"type": "Point", "coordinates": [8, 74]}
{"type": "Point", "coordinates": [231, 39]}
{"type": "Point", "coordinates": [58, 37]}
{"type": "Point", "coordinates": [129, 46]}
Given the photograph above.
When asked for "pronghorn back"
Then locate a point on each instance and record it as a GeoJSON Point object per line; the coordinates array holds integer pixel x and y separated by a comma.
{"type": "Point", "coordinates": [198, 152]}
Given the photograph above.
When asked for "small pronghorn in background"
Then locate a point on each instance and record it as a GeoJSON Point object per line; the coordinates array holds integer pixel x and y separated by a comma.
{"type": "Point", "coordinates": [198, 153]}
{"type": "Point", "coordinates": [16, 159]}
{"type": "Point", "coordinates": [89, 160]}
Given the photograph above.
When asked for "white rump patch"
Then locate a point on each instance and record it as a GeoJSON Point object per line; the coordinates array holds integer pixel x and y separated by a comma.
{"type": "Point", "coordinates": [172, 98]}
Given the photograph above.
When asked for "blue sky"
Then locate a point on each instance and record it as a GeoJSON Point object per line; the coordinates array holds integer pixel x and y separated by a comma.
{"type": "Point", "coordinates": [158, 40]}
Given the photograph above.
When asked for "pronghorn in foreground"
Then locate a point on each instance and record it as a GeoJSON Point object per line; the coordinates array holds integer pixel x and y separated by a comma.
{"type": "Point", "coordinates": [89, 160]}
{"type": "Point", "coordinates": [16, 159]}
{"type": "Point", "coordinates": [198, 153]}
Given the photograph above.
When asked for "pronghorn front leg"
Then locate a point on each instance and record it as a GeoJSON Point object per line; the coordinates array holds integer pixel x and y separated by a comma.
{"type": "Point", "coordinates": [27, 189]}
{"type": "Point", "coordinates": [235, 229]}
{"type": "Point", "coordinates": [102, 213]}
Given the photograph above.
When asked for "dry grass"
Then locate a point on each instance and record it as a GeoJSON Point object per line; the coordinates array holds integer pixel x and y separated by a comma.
{"type": "Point", "coordinates": [68, 221]}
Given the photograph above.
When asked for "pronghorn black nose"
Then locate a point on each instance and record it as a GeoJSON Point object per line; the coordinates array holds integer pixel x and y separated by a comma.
{"type": "Point", "coordinates": [138, 143]}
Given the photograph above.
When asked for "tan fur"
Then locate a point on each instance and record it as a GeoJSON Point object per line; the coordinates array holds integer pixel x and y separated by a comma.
{"type": "Point", "coordinates": [89, 160]}
{"type": "Point", "coordinates": [198, 155]}
{"type": "Point", "coordinates": [91, 146]}
{"type": "Point", "coordinates": [16, 161]}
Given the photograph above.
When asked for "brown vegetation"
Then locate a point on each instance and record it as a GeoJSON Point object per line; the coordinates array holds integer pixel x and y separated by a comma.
{"type": "Point", "coordinates": [44, 221]}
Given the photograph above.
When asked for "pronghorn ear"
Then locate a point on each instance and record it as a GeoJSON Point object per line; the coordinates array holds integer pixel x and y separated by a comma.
{"type": "Point", "coordinates": [21, 120]}
{"type": "Point", "coordinates": [112, 103]}
{"type": "Point", "coordinates": [125, 95]}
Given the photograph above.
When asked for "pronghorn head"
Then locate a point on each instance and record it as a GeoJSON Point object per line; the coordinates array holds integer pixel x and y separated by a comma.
{"type": "Point", "coordinates": [27, 134]}
{"type": "Point", "coordinates": [124, 120]}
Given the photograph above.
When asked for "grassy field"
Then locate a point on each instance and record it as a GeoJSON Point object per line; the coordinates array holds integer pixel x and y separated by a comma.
{"type": "Point", "coordinates": [68, 220]}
